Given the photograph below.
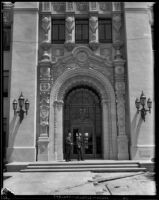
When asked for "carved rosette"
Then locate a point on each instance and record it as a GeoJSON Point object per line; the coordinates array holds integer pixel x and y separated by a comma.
{"type": "Point", "coordinates": [93, 32]}
{"type": "Point", "coordinates": [70, 33]}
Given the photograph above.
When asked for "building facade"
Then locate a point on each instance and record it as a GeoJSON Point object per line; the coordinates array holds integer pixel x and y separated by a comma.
{"type": "Point", "coordinates": [81, 65]}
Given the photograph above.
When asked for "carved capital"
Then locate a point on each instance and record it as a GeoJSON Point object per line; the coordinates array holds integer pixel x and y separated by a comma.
{"type": "Point", "coordinates": [93, 45]}
{"type": "Point", "coordinates": [69, 45]}
{"type": "Point", "coordinates": [58, 104]}
{"type": "Point", "coordinates": [117, 22]}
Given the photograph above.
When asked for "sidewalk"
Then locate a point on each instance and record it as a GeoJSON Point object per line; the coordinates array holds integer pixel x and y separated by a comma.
{"type": "Point", "coordinates": [80, 183]}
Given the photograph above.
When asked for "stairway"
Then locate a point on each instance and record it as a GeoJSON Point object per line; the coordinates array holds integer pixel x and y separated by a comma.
{"type": "Point", "coordinates": [80, 166]}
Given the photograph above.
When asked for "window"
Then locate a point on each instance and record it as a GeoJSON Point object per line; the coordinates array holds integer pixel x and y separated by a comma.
{"type": "Point", "coordinates": [58, 31]}
{"type": "Point", "coordinates": [6, 38]}
{"type": "Point", "coordinates": [82, 31]}
{"type": "Point", "coordinates": [5, 83]}
{"type": "Point", "coordinates": [105, 31]}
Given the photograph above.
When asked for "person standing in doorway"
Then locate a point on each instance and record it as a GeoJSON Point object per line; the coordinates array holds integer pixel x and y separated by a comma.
{"type": "Point", "coordinates": [68, 147]}
{"type": "Point", "coordinates": [79, 144]}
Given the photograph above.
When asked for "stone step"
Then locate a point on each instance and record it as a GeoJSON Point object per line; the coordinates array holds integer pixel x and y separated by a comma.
{"type": "Point", "coordinates": [83, 163]}
{"type": "Point", "coordinates": [86, 169]}
{"type": "Point", "coordinates": [81, 166]}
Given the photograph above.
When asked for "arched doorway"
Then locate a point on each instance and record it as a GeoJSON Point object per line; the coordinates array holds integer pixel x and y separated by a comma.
{"type": "Point", "coordinates": [83, 114]}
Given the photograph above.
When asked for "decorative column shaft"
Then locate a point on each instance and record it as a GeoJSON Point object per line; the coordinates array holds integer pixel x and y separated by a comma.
{"type": "Point", "coordinates": [70, 32]}
{"type": "Point", "coordinates": [120, 103]}
{"type": "Point", "coordinates": [93, 32]}
{"type": "Point", "coordinates": [44, 82]}
{"type": "Point", "coordinates": [58, 130]}
{"type": "Point", "coordinates": [105, 138]}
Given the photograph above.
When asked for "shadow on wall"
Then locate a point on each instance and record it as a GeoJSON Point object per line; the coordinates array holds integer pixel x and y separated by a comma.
{"type": "Point", "coordinates": [14, 126]}
{"type": "Point", "coordinates": [135, 129]}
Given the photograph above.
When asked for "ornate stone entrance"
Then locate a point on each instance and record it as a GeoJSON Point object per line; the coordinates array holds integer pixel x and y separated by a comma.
{"type": "Point", "coordinates": [82, 114]}
{"type": "Point", "coordinates": [93, 79]}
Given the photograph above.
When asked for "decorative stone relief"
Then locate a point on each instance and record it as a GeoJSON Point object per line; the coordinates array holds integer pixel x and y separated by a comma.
{"type": "Point", "coordinates": [105, 6]}
{"type": "Point", "coordinates": [46, 6]}
{"type": "Point", "coordinates": [117, 24]}
{"type": "Point", "coordinates": [46, 25]}
{"type": "Point", "coordinates": [116, 6]}
{"type": "Point", "coordinates": [58, 105]}
{"type": "Point", "coordinates": [59, 6]}
{"type": "Point", "coordinates": [70, 38]}
{"type": "Point", "coordinates": [44, 87]}
{"type": "Point", "coordinates": [93, 27]}
{"type": "Point", "coordinates": [120, 86]}
{"type": "Point", "coordinates": [106, 53]}
{"type": "Point", "coordinates": [44, 71]}
{"type": "Point", "coordinates": [93, 5]}
{"type": "Point", "coordinates": [82, 6]}
{"type": "Point", "coordinates": [69, 6]}
{"type": "Point", "coordinates": [119, 70]}
{"type": "Point", "coordinates": [57, 52]}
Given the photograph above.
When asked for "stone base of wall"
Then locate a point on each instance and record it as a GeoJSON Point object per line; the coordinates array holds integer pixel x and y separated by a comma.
{"type": "Point", "coordinates": [21, 154]}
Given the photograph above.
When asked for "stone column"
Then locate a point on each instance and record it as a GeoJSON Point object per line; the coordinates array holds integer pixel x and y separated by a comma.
{"type": "Point", "coordinates": [105, 139]}
{"type": "Point", "coordinates": [70, 26]}
{"type": "Point", "coordinates": [22, 136]}
{"type": "Point", "coordinates": [58, 130]}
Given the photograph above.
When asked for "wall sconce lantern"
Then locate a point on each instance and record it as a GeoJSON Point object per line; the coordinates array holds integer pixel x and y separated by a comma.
{"type": "Point", "coordinates": [86, 140]}
{"type": "Point", "coordinates": [21, 104]}
{"type": "Point", "coordinates": [142, 102]}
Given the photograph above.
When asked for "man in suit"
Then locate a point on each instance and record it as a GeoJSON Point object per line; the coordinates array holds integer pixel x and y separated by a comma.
{"type": "Point", "coordinates": [79, 144]}
{"type": "Point", "coordinates": [68, 142]}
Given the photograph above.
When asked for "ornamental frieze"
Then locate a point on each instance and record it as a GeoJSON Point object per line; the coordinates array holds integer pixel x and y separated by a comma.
{"type": "Point", "coordinates": [82, 6]}
{"type": "Point", "coordinates": [105, 6]}
{"type": "Point", "coordinates": [59, 6]}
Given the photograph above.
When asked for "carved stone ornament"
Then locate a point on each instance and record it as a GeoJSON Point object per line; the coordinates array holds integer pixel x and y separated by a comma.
{"type": "Point", "coordinates": [93, 24]}
{"type": "Point", "coordinates": [117, 22]}
{"type": "Point", "coordinates": [45, 71]}
{"type": "Point", "coordinates": [82, 56]}
{"type": "Point", "coordinates": [44, 111]}
{"type": "Point", "coordinates": [44, 86]}
{"type": "Point", "coordinates": [45, 100]}
{"type": "Point", "coordinates": [82, 6]}
{"type": "Point", "coordinates": [69, 24]}
{"type": "Point", "coordinates": [120, 86]}
{"type": "Point", "coordinates": [116, 6]}
{"type": "Point", "coordinates": [46, 24]}
{"type": "Point", "coordinates": [59, 6]}
{"type": "Point", "coordinates": [69, 45]}
{"type": "Point", "coordinates": [119, 70]}
{"type": "Point", "coordinates": [106, 53]}
{"type": "Point", "coordinates": [69, 6]}
{"type": "Point", "coordinates": [94, 45]}
{"type": "Point", "coordinates": [104, 6]}
{"type": "Point", "coordinates": [93, 5]}
{"type": "Point", "coordinates": [6, 17]}
{"type": "Point", "coordinates": [46, 6]}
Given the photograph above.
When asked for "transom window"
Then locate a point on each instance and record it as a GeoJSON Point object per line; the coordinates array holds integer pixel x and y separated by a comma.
{"type": "Point", "coordinates": [82, 31]}
{"type": "Point", "coordinates": [105, 30]}
{"type": "Point", "coordinates": [58, 31]}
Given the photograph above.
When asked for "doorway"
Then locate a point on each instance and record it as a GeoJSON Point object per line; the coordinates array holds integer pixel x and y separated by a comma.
{"type": "Point", "coordinates": [82, 114]}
